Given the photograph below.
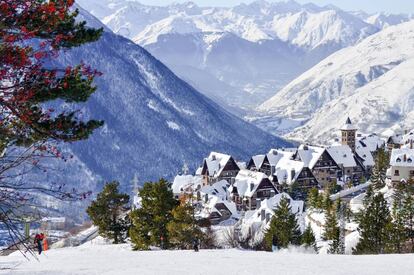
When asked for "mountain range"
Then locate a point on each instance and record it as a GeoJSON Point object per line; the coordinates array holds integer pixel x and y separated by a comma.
{"type": "Point", "coordinates": [371, 82]}
{"type": "Point", "coordinates": [154, 121]}
{"type": "Point", "coordinates": [239, 56]}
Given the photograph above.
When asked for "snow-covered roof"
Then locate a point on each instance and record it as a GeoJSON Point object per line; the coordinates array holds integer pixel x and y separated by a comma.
{"type": "Point", "coordinates": [247, 182]}
{"type": "Point", "coordinates": [275, 155]}
{"type": "Point", "coordinates": [310, 155]}
{"type": "Point", "coordinates": [372, 142]}
{"type": "Point", "coordinates": [269, 205]}
{"type": "Point", "coordinates": [258, 160]}
{"type": "Point", "coordinates": [396, 139]}
{"type": "Point", "coordinates": [218, 189]}
{"type": "Point", "coordinates": [288, 170]}
{"type": "Point", "coordinates": [402, 157]}
{"type": "Point", "coordinates": [216, 163]}
{"type": "Point", "coordinates": [241, 165]}
{"type": "Point", "coordinates": [366, 155]}
{"type": "Point", "coordinates": [342, 155]}
{"type": "Point", "coordinates": [273, 203]}
{"type": "Point", "coordinates": [348, 125]}
{"type": "Point", "coordinates": [210, 207]}
{"type": "Point", "coordinates": [181, 183]}
{"type": "Point", "coordinates": [199, 171]}
{"type": "Point", "coordinates": [408, 139]}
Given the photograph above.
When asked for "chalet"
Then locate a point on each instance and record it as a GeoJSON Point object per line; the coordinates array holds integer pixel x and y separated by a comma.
{"type": "Point", "coordinates": [215, 203]}
{"type": "Point", "coordinates": [319, 162]}
{"type": "Point", "coordinates": [351, 166]}
{"type": "Point", "coordinates": [186, 184]}
{"type": "Point", "coordinates": [260, 163]}
{"type": "Point", "coordinates": [395, 142]}
{"type": "Point", "coordinates": [402, 165]}
{"type": "Point", "coordinates": [260, 217]}
{"type": "Point", "coordinates": [219, 167]}
{"type": "Point", "coordinates": [366, 150]}
{"type": "Point", "coordinates": [292, 174]}
{"type": "Point", "coordinates": [250, 188]}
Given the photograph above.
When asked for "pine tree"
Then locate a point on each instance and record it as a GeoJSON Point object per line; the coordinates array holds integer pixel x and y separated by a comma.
{"type": "Point", "coordinates": [183, 229]}
{"type": "Point", "coordinates": [32, 34]}
{"type": "Point", "coordinates": [397, 231]}
{"type": "Point", "coordinates": [108, 212]}
{"type": "Point", "coordinates": [314, 199]}
{"type": "Point", "coordinates": [284, 229]}
{"type": "Point", "coordinates": [406, 198]}
{"type": "Point", "coordinates": [332, 231]}
{"type": "Point", "coordinates": [308, 238]}
{"type": "Point", "coordinates": [379, 172]}
{"type": "Point", "coordinates": [149, 223]}
{"type": "Point", "coordinates": [374, 225]}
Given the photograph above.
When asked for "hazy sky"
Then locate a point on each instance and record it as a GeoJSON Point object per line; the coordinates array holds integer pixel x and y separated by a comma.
{"type": "Point", "coordinates": [392, 6]}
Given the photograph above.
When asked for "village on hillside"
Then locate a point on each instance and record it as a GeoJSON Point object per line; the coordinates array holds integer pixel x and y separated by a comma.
{"type": "Point", "coordinates": [245, 194]}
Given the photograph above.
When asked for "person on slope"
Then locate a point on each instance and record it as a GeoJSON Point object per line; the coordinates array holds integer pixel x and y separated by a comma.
{"type": "Point", "coordinates": [196, 243]}
{"type": "Point", "coordinates": [38, 242]}
{"type": "Point", "coordinates": [45, 244]}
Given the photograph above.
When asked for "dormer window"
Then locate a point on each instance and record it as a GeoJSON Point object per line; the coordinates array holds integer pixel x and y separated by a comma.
{"type": "Point", "coordinates": [409, 160]}
{"type": "Point", "coordinates": [398, 160]}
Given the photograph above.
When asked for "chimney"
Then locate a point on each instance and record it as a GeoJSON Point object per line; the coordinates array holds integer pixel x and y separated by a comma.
{"type": "Point", "coordinates": [411, 144]}
{"type": "Point", "coordinates": [272, 170]}
{"type": "Point", "coordinates": [213, 157]}
{"type": "Point", "coordinates": [251, 186]}
{"type": "Point", "coordinates": [405, 158]}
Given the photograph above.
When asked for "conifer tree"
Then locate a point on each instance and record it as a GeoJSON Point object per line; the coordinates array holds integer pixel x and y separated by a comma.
{"type": "Point", "coordinates": [284, 229]}
{"type": "Point", "coordinates": [396, 230]}
{"type": "Point", "coordinates": [108, 213]}
{"type": "Point", "coordinates": [32, 34]}
{"type": "Point", "coordinates": [308, 238]}
{"type": "Point", "coordinates": [183, 228]}
{"type": "Point", "coordinates": [332, 231]}
{"type": "Point", "coordinates": [404, 202]}
{"type": "Point", "coordinates": [315, 200]}
{"type": "Point", "coordinates": [149, 223]}
{"type": "Point", "coordinates": [379, 171]}
{"type": "Point", "coordinates": [374, 225]}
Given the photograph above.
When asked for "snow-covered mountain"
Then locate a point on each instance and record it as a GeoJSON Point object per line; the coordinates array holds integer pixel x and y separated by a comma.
{"type": "Point", "coordinates": [383, 20]}
{"type": "Point", "coordinates": [154, 121]}
{"type": "Point", "coordinates": [372, 82]}
{"type": "Point", "coordinates": [238, 56]}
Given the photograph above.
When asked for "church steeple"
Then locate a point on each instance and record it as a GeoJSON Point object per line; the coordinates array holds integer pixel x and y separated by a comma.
{"type": "Point", "coordinates": [349, 134]}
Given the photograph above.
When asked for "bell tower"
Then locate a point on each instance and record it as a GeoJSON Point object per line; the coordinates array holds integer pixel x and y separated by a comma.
{"type": "Point", "coordinates": [348, 131]}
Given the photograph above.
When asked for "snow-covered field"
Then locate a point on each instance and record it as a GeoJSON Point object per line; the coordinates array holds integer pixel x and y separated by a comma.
{"type": "Point", "coordinates": [119, 259]}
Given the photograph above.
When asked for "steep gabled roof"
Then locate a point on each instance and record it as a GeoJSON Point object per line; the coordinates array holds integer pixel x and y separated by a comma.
{"type": "Point", "coordinates": [247, 179]}
{"type": "Point", "coordinates": [215, 163]}
{"type": "Point", "coordinates": [365, 154]}
{"type": "Point", "coordinates": [402, 157]}
{"type": "Point", "coordinates": [342, 155]}
{"type": "Point", "coordinates": [309, 155]}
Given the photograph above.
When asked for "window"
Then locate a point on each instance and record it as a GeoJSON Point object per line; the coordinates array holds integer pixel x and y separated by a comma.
{"type": "Point", "coordinates": [397, 173]}
{"type": "Point", "coordinates": [412, 173]}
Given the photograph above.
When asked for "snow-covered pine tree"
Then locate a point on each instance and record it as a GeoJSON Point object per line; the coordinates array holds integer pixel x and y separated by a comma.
{"type": "Point", "coordinates": [284, 229]}
{"type": "Point", "coordinates": [332, 231]}
{"type": "Point", "coordinates": [374, 226]}
{"type": "Point", "coordinates": [379, 171]}
{"type": "Point", "coordinates": [149, 223]}
{"type": "Point", "coordinates": [308, 238]}
{"type": "Point", "coordinates": [108, 213]}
